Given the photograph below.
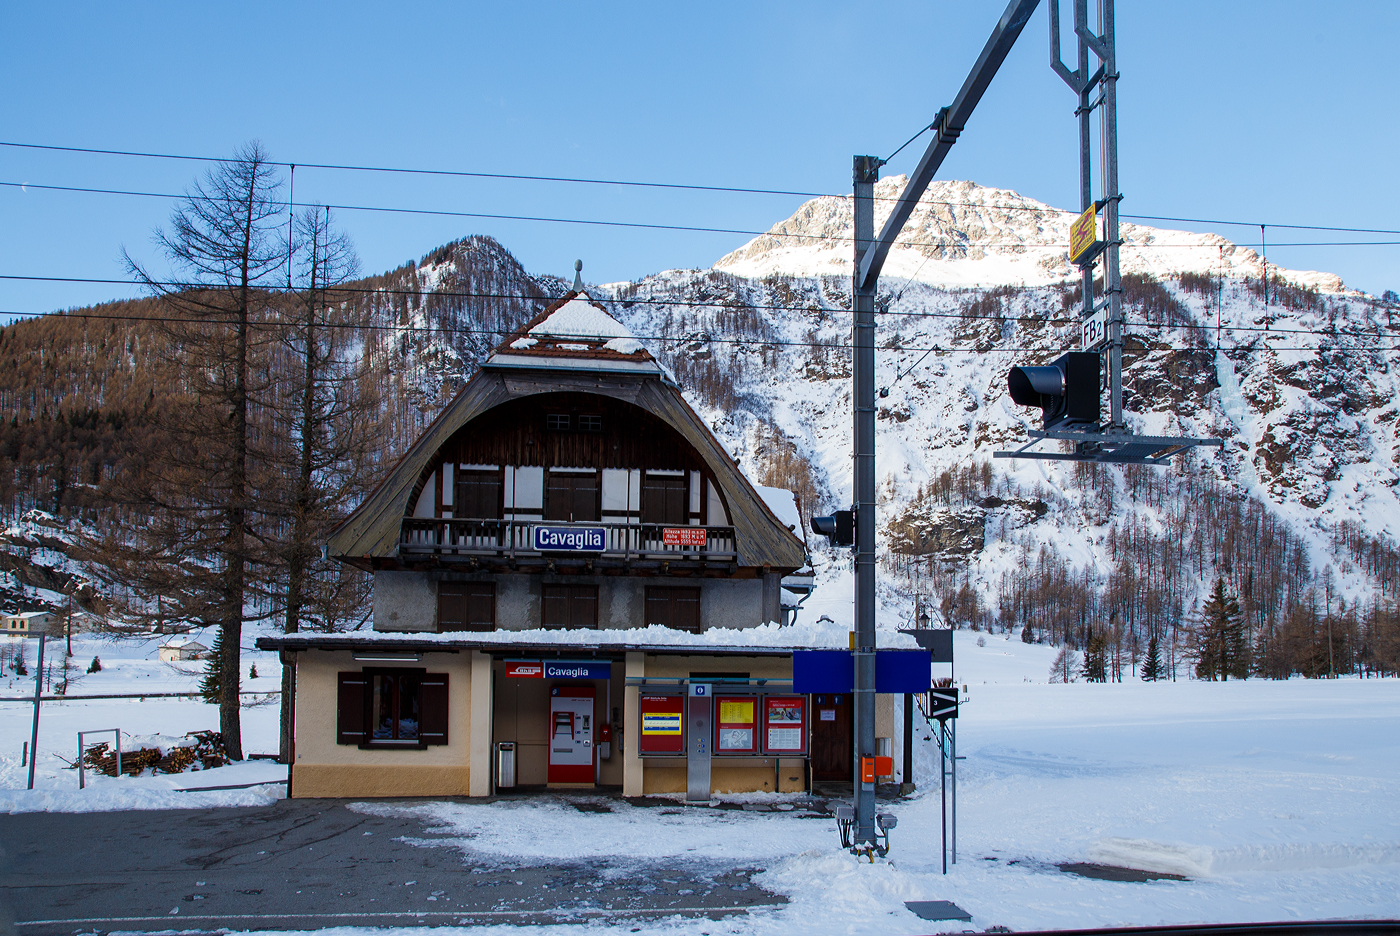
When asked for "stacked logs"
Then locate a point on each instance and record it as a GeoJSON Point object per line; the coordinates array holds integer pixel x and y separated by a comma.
{"type": "Point", "coordinates": [205, 753]}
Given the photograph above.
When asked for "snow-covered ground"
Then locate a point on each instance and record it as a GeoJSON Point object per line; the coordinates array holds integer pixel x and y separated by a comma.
{"type": "Point", "coordinates": [128, 666]}
{"type": "Point", "coordinates": [1278, 800]}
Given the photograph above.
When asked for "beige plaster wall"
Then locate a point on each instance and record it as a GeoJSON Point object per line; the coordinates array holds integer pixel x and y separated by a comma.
{"type": "Point", "coordinates": [324, 768]}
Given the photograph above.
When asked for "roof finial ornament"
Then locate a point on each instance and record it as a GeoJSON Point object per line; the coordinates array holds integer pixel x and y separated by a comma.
{"type": "Point", "coordinates": [578, 276]}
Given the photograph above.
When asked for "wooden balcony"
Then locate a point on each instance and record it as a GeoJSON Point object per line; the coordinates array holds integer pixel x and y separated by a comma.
{"type": "Point", "coordinates": [512, 539]}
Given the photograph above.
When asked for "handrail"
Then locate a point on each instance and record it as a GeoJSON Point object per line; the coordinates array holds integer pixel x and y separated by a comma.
{"type": "Point", "coordinates": [467, 536]}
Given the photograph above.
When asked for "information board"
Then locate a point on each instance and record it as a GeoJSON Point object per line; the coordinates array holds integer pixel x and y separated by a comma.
{"type": "Point", "coordinates": [683, 536]}
{"type": "Point", "coordinates": [785, 724]}
{"type": "Point", "coordinates": [662, 724]}
{"type": "Point", "coordinates": [736, 725]}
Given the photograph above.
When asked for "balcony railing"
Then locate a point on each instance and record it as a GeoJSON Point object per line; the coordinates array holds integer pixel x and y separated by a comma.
{"type": "Point", "coordinates": [507, 538]}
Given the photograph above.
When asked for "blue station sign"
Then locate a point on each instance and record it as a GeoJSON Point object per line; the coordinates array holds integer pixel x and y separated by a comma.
{"type": "Point", "coordinates": [569, 538]}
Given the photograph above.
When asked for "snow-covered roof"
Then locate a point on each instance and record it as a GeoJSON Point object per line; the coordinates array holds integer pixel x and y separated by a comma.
{"type": "Point", "coordinates": [183, 643]}
{"type": "Point", "coordinates": [579, 317]}
{"type": "Point", "coordinates": [575, 333]}
{"type": "Point", "coordinates": [783, 503]}
{"type": "Point", "coordinates": [654, 639]}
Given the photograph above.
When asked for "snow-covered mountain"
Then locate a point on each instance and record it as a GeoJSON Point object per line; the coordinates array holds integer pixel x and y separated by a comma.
{"type": "Point", "coordinates": [964, 234]}
{"type": "Point", "coordinates": [1303, 390]}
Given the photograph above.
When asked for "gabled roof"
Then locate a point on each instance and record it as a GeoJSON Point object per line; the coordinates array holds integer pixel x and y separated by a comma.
{"type": "Point", "coordinates": [574, 333]}
{"type": "Point", "coordinates": [604, 364]}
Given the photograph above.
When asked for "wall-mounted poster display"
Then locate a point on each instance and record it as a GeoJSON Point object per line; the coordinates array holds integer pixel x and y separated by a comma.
{"type": "Point", "coordinates": [736, 727]}
{"type": "Point", "coordinates": [785, 724]}
{"type": "Point", "coordinates": [662, 724]}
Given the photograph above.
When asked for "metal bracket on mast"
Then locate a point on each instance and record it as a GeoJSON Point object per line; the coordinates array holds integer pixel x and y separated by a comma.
{"type": "Point", "coordinates": [1114, 442]}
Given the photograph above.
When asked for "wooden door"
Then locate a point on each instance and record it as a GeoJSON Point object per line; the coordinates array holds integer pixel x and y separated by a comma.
{"type": "Point", "coordinates": [832, 737]}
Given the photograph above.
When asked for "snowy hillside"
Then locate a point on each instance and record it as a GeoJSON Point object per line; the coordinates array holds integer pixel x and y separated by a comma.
{"type": "Point", "coordinates": [1303, 391]}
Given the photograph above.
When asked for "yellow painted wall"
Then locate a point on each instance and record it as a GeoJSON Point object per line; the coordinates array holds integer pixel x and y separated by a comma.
{"type": "Point", "coordinates": [325, 768]}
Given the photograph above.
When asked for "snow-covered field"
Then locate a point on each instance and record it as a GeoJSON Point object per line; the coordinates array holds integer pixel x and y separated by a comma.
{"type": "Point", "coordinates": [128, 666]}
{"type": "Point", "coordinates": [1276, 800]}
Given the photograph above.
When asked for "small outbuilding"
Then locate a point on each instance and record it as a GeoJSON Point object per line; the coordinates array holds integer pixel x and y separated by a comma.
{"type": "Point", "coordinates": [181, 649]}
{"type": "Point", "coordinates": [28, 623]}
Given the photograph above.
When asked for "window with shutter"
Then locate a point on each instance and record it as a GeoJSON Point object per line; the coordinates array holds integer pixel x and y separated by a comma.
{"type": "Point", "coordinates": [395, 708]}
{"type": "Point", "coordinates": [572, 498]}
{"type": "Point", "coordinates": [663, 499]}
{"type": "Point", "coordinates": [466, 606]}
{"type": "Point", "coordinates": [570, 606]}
{"type": "Point", "coordinates": [478, 495]}
{"type": "Point", "coordinates": [352, 703]}
{"type": "Point", "coordinates": [673, 606]}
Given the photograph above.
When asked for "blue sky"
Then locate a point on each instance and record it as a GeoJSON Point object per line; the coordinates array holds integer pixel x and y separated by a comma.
{"type": "Point", "coordinates": [1280, 112]}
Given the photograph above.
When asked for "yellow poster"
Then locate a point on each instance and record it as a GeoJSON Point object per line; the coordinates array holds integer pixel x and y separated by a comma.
{"type": "Point", "coordinates": [734, 712]}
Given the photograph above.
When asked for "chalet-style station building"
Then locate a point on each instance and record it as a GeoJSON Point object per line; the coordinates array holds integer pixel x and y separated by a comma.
{"type": "Point", "coordinates": [551, 560]}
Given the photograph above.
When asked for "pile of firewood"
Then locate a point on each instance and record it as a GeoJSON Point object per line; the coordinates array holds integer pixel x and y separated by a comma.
{"type": "Point", "coordinates": [205, 753]}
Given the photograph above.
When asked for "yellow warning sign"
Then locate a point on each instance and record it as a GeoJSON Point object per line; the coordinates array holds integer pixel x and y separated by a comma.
{"type": "Point", "coordinates": [1082, 234]}
{"type": "Point", "coordinates": [736, 713]}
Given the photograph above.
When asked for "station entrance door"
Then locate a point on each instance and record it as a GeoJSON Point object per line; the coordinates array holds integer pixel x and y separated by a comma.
{"type": "Point", "coordinates": [833, 740]}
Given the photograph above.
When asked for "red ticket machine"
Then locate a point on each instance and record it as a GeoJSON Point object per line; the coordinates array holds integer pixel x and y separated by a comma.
{"type": "Point", "coordinates": [571, 727]}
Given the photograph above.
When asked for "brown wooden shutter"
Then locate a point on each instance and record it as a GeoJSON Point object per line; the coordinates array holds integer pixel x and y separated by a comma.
{"type": "Point", "coordinates": [663, 499]}
{"type": "Point", "coordinates": [677, 607]}
{"type": "Point", "coordinates": [352, 701]}
{"type": "Point", "coordinates": [481, 606]}
{"type": "Point", "coordinates": [479, 495]}
{"type": "Point", "coordinates": [686, 609]}
{"type": "Point", "coordinates": [432, 708]}
{"type": "Point", "coordinates": [452, 606]}
{"type": "Point", "coordinates": [570, 606]}
{"type": "Point", "coordinates": [585, 606]}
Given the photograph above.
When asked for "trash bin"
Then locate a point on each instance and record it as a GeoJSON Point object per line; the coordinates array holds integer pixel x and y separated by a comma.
{"type": "Point", "coordinates": [505, 765]}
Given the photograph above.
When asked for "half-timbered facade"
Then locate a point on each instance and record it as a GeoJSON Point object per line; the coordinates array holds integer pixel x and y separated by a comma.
{"type": "Point", "coordinates": [569, 489]}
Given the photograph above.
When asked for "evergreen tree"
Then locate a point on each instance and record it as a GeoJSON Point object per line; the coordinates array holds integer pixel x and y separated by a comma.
{"type": "Point", "coordinates": [1221, 650]}
{"type": "Point", "coordinates": [1152, 663]}
{"type": "Point", "coordinates": [1095, 668]}
{"type": "Point", "coordinates": [1028, 634]}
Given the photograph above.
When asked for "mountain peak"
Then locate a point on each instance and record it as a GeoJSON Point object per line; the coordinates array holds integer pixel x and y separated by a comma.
{"type": "Point", "coordinates": [965, 234]}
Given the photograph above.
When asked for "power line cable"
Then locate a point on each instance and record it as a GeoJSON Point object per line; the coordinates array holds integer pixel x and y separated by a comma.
{"type": "Point", "coordinates": [656, 302]}
{"type": "Point", "coordinates": [441, 212]}
{"type": "Point", "coordinates": [672, 185]}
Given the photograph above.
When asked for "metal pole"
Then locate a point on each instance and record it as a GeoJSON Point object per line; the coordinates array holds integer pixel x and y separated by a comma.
{"type": "Point", "coordinates": [866, 171]}
{"type": "Point", "coordinates": [38, 690]}
{"type": "Point", "coordinates": [943, 785]}
{"type": "Point", "coordinates": [1113, 282]}
{"type": "Point", "coordinates": [908, 785]}
{"type": "Point", "coordinates": [1086, 175]}
{"type": "Point", "coordinates": [953, 746]}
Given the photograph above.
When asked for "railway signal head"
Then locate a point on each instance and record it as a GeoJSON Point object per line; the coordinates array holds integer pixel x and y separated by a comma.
{"type": "Point", "coordinates": [840, 527]}
{"type": "Point", "coordinates": [1066, 391]}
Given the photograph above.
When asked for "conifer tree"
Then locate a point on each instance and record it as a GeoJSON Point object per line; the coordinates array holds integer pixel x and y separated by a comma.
{"type": "Point", "coordinates": [1095, 663]}
{"type": "Point", "coordinates": [198, 546]}
{"type": "Point", "coordinates": [1220, 649]}
{"type": "Point", "coordinates": [1152, 663]}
